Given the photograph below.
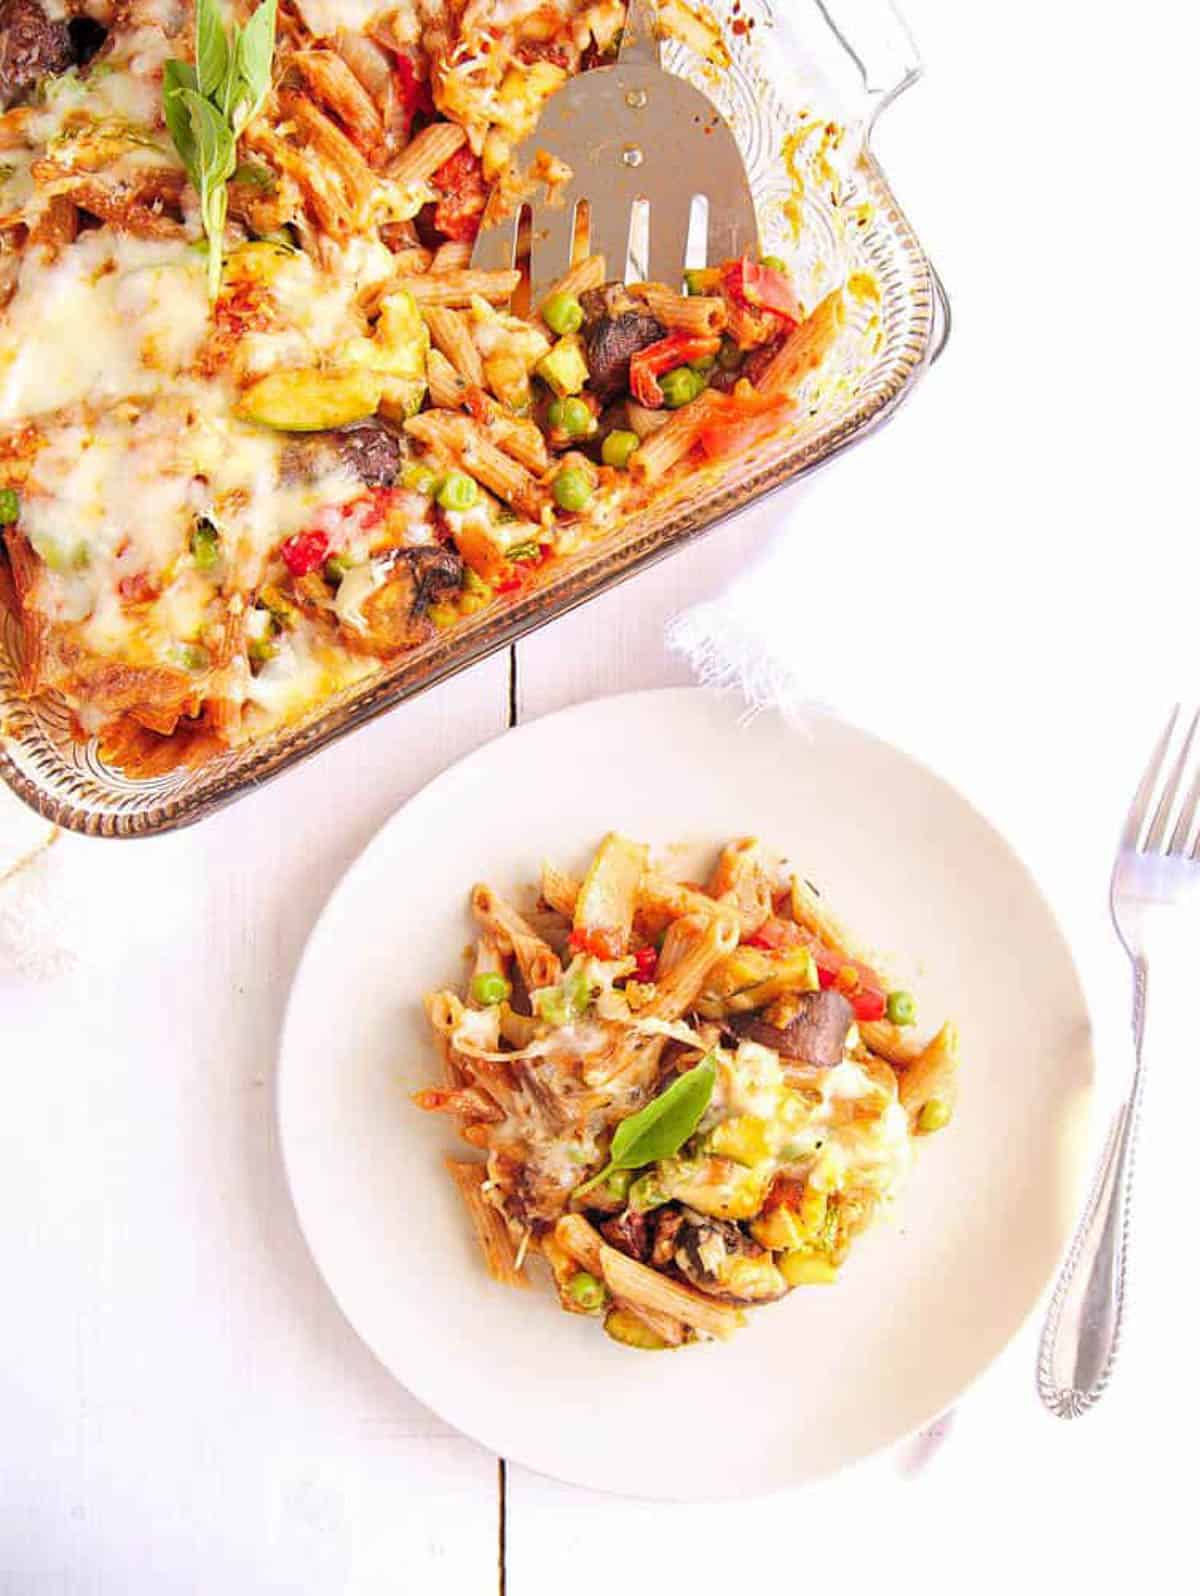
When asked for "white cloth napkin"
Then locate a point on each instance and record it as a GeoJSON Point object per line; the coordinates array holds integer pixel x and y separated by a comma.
{"type": "Point", "coordinates": [35, 899]}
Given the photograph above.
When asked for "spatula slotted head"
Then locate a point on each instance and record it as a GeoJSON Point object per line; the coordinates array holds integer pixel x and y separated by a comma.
{"type": "Point", "coordinates": [630, 133]}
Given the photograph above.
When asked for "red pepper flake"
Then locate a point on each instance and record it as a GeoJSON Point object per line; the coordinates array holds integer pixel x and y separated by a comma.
{"type": "Point", "coordinates": [305, 551]}
{"type": "Point", "coordinates": [647, 963]}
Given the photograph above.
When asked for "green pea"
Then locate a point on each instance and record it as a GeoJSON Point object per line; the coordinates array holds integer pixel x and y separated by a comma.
{"type": "Point", "coordinates": [563, 314]}
{"type": "Point", "coordinates": [586, 1292]}
{"type": "Point", "coordinates": [901, 1008]}
{"type": "Point", "coordinates": [458, 491]}
{"type": "Point", "coordinates": [10, 506]}
{"type": "Point", "coordinates": [572, 489]}
{"type": "Point", "coordinates": [693, 281]}
{"type": "Point", "coordinates": [776, 263]}
{"type": "Point", "coordinates": [704, 365]}
{"type": "Point", "coordinates": [556, 413]}
{"type": "Point", "coordinates": [262, 649]}
{"type": "Point", "coordinates": [489, 988]}
{"type": "Point", "coordinates": [206, 546]}
{"type": "Point", "coordinates": [191, 656]}
{"type": "Point", "coordinates": [619, 448]}
{"type": "Point", "coordinates": [934, 1116]}
{"type": "Point", "coordinates": [680, 387]}
{"type": "Point", "coordinates": [419, 479]}
{"type": "Point", "coordinates": [336, 567]}
{"type": "Point", "coordinates": [576, 418]}
{"type": "Point", "coordinates": [646, 1193]}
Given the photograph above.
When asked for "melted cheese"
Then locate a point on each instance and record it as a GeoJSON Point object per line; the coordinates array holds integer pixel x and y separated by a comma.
{"type": "Point", "coordinates": [142, 304]}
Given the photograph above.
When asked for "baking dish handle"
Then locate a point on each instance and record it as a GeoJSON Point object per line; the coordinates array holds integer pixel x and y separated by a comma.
{"type": "Point", "coordinates": [879, 46]}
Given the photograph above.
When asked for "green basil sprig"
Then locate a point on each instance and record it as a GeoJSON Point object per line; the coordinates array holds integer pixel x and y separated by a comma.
{"type": "Point", "coordinates": [206, 106]}
{"type": "Point", "coordinates": [660, 1129]}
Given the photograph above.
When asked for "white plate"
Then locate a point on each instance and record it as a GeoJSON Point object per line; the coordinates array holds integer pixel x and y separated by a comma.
{"type": "Point", "coordinates": [826, 1376]}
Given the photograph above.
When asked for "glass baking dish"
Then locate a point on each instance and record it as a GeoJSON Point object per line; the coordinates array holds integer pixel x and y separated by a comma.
{"type": "Point", "coordinates": [807, 83]}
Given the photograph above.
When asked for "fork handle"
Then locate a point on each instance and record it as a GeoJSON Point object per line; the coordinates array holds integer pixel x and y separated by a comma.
{"type": "Point", "coordinates": [1083, 1326]}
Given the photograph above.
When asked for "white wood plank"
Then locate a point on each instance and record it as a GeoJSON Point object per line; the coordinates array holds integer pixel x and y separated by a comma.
{"type": "Point", "coordinates": [185, 1409]}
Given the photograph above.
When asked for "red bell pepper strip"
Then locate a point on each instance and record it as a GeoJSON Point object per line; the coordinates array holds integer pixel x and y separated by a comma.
{"type": "Point", "coordinates": [854, 980]}
{"type": "Point", "coordinates": [744, 425]}
{"type": "Point", "coordinates": [305, 551]}
{"type": "Point", "coordinates": [762, 288]}
{"type": "Point", "coordinates": [648, 365]}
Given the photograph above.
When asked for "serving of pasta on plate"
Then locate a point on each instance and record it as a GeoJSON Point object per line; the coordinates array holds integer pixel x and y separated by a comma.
{"type": "Point", "coordinates": [690, 1097]}
{"type": "Point", "coordinates": [263, 430]}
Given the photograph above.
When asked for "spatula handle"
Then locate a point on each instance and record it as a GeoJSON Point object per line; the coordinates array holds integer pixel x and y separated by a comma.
{"type": "Point", "coordinates": [639, 41]}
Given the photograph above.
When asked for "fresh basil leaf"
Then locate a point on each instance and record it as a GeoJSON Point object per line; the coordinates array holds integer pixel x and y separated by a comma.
{"type": "Point", "coordinates": [177, 76]}
{"type": "Point", "coordinates": [213, 139]}
{"type": "Point", "coordinates": [251, 72]}
{"type": "Point", "coordinates": [212, 50]}
{"type": "Point", "coordinates": [660, 1129]}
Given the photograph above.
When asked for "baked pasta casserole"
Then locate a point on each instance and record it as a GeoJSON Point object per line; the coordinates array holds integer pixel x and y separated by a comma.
{"type": "Point", "coordinates": [263, 429]}
{"type": "Point", "coordinates": [690, 1097]}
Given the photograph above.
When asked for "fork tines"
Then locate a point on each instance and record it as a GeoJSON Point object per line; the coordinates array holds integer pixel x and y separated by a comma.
{"type": "Point", "coordinates": [1170, 790]}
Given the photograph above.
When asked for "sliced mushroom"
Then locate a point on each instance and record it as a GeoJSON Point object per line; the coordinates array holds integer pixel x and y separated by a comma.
{"type": "Point", "coordinates": [816, 1034]}
{"type": "Point", "coordinates": [721, 1259]}
{"type": "Point", "coordinates": [617, 325]}
{"type": "Point", "coordinates": [394, 617]}
{"type": "Point", "coordinates": [374, 453]}
{"type": "Point", "coordinates": [33, 46]}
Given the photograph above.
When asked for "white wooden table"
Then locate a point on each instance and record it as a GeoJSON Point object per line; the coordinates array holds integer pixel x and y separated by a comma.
{"type": "Point", "coordinates": [182, 1408]}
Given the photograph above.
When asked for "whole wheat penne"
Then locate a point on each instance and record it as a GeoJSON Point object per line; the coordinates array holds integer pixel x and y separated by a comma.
{"type": "Point", "coordinates": [447, 389]}
{"type": "Point", "coordinates": [445, 1011]}
{"type": "Point", "coordinates": [458, 288]}
{"type": "Point", "coordinates": [537, 960]}
{"type": "Point", "coordinates": [480, 458]}
{"type": "Point", "coordinates": [702, 314]}
{"type": "Point", "coordinates": [452, 256]}
{"type": "Point", "coordinates": [806, 347]}
{"type": "Point", "coordinates": [932, 1073]}
{"type": "Point", "coordinates": [431, 149]}
{"type": "Point", "coordinates": [666, 447]}
{"type": "Point", "coordinates": [331, 81]}
{"type": "Point", "coordinates": [451, 333]}
{"type": "Point", "coordinates": [646, 1288]}
{"type": "Point", "coordinates": [585, 274]}
{"type": "Point", "coordinates": [496, 1244]}
{"type": "Point", "coordinates": [580, 1241]}
{"type": "Point", "coordinates": [522, 440]}
{"type": "Point", "coordinates": [559, 889]}
{"type": "Point", "coordinates": [740, 878]}
{"type": "Point", "coordinates": [691, 948]}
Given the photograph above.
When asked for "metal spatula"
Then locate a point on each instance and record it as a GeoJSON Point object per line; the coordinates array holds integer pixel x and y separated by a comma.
{"type": "Point", "coordinates": [637, 139]}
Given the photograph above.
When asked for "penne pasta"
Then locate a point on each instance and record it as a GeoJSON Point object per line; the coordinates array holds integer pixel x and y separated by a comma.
{"type": "Point", "coordinates": [584, 275]}
{"type": "Point", "coordinates": [451, 334]}
{"type": "Point", "coordinates": [806, 348]}
{"type": "Point", "coordinates": [430, 149]}
{"type": "Point", "coordinates": [692, 946]}
{"type": "Point", "coordinates": [932, 1074]}
{"type": "Point", "coordinates": [453, 256]}
{"type": "Point", "coordinates": [459, 288]}
{"type": "Point", "coordinates": [645, 1288]}
{"type": "Point", "coordinates": [447, 388]}
{"type": "Point", "coordinates": [701, 314]}
{"type": "Point", "coordinates": [667, 447]}
{"type": "Point", "coordinates": [536, 959]}
{"type": "Point", "coordinates": [491, 1232]}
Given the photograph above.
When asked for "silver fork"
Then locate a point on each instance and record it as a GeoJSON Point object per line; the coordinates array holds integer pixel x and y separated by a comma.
{"type": "Point", "coordinates": [1151, 876]}
{"type": "Point", "coordinates": [642, 144]}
